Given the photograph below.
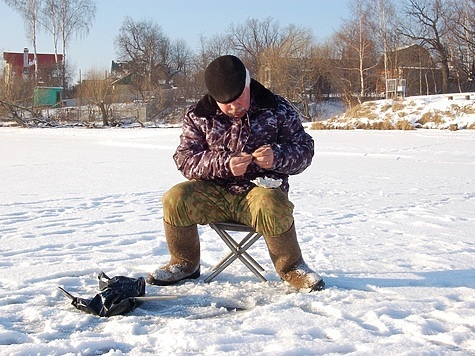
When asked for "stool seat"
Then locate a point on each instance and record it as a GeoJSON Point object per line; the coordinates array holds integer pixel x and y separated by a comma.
{"type": "Point", "coordinates": [238, 249]}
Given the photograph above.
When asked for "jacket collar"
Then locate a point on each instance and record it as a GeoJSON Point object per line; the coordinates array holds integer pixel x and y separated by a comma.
{"type": "Point", "coordinates": [263, 99]}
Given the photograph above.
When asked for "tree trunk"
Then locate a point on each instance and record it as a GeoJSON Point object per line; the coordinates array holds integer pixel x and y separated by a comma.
{"type": "Point", "coordinates": [445, 77]}
{"type": "Point", "coordinates": [102, 107]}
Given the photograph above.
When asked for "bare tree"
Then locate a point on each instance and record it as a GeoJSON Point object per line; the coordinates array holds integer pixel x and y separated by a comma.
{"type": "Point", "coordinates": [343, 80]}
{"type": "Point", "coordinates": [174, 60]}
{"type": "Point", "coordinates": [286, 67]}
{"type": "Point", "coordinates": [213, 47]}
{"type": "Point", "coordinates": [462, 43]}
{"type": "Point", "coordinates": [153, 60]}
{"type": "Point", "coordinates": [357, 56]}
{"type": "Point", "coordinates": [16, 98]}
{"type": "Point", "coordinates": [140, 43]}
{"type": "Point", "coordinates": [29, 10]}
{"type": "Point", "coordinates": [191, 81]}
{"type": "Point", "coordinates": [323, 67]}
{"type": "Point", "coordinates": [49, 20]}
{"type": "Point", "coordinates": [252, 38]}
{"type": "Point", "coordinates": [463, 16]}
{"type": "Point", "coordinates": [383, 18]}
{"type": "Point", "coordinates": [65, 18]}
{"type": "Point", "coordinates": [96, 89]}
{"type": "Point", "coordinates": [426, 24]}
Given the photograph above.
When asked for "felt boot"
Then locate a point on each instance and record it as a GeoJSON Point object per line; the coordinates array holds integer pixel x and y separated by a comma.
{"type": "Point", "coordinates": [184, 247]}
{"type": "Point", "coordinates": [285, 253]}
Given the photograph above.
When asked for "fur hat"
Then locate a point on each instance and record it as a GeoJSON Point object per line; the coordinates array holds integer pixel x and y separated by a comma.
{"type": "Point", "coordinates": [226, 78]}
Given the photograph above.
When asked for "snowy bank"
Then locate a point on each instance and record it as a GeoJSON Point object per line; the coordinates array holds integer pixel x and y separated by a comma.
{"type": "Point", "coordinates": [448, 112]}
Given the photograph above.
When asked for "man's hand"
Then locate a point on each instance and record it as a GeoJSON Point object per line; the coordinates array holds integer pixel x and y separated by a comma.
{"type": "Point", "coordinates": [238, 164]}
{"type": "Point", "coordinates": [264, 157]}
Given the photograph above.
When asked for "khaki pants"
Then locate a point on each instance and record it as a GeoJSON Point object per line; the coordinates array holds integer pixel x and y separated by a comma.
{"type": "Point", "coordinates": [268, 211]}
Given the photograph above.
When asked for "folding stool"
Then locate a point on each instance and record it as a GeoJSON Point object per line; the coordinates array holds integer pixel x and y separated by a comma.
{"type": "Point", "coordinates": [238, 249]}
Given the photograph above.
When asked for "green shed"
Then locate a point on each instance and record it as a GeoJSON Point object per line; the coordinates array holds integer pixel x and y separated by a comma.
{"type": "Point", "coordinates": [47, 96]}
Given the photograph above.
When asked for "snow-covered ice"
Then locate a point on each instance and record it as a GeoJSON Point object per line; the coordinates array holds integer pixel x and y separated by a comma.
{"type": "Point", "coordinates": [386, 217]}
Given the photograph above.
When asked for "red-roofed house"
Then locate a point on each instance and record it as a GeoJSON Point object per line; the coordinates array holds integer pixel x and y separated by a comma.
{"type": "Point", "coordinates": [23, 63]}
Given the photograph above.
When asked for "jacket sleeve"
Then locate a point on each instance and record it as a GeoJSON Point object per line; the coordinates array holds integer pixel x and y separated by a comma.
{"type": "Point", "coordinates": [194, 158]}
{"type": "Point", "coordinates": [294, 150]}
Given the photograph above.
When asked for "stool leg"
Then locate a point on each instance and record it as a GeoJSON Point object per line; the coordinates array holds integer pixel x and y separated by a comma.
{"type": "Point", "coordinates": [240, 248]}
{"type": "Point", "coordinates": [238, 251]}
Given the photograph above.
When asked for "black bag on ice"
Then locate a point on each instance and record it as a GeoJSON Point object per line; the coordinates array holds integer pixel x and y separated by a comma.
{"type": "Point", "coordinates": [117, 297]}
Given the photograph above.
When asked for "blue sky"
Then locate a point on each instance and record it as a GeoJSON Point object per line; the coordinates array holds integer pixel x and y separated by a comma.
{"type": "Point", "coordinates": [178, 19]}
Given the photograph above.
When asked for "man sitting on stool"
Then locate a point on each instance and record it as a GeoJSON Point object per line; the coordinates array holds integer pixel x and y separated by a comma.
{"type": "Point", "coordinates": [239, 145]}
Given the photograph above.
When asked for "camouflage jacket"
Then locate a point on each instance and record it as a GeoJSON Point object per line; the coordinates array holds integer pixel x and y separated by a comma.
{"type": "Point", "coordinates": [210, 138]}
